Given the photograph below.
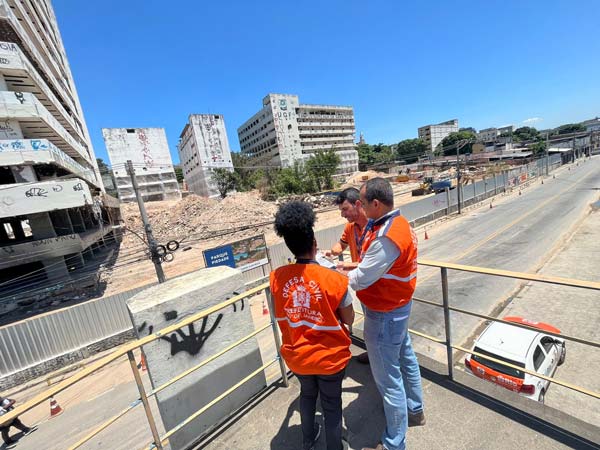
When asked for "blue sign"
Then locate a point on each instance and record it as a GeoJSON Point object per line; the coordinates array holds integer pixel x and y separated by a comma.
{"type": "Point", "coordinates": [220, 256]}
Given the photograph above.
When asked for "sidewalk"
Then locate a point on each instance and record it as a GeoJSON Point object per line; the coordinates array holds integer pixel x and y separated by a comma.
{"type": "Point", "coordinates": [458, 417]}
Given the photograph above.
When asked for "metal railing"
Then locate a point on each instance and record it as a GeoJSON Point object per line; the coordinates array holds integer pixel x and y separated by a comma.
{"type": "Point", "coordinates": [445, 305]}
{"type": "Point", "coordinates": [159, 441]}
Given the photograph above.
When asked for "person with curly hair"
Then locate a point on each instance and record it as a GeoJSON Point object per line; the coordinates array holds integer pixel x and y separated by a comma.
{"type": "Point", "coordinates": [313, 309]}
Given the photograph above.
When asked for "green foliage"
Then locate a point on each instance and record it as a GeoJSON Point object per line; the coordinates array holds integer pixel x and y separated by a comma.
{"type": "Point", "coordinates": [409, 150]}
{"type": "Point", "coordinates": [448, 144]}
{"type": "Point", "coordinates": [102, 167]}
{"type": "Point", "coordinates": [292, 180]}
{"type": "Point", "coordinates": [569, 128]}
{"type": "Point", "coordinates": [321, 167]}
{"type": "Point", "coordinates": [225, 181]}
{"type": "Point", "coordinates": [179, 174]}
{"type": "Point", "coordinates": [366, 156]}
{"type": "Point", "coordinates": [525, 134]}
{"type": "Point", "coordinates": [246, 177]}
{"type": "Point", "coordinates": [538, 148]}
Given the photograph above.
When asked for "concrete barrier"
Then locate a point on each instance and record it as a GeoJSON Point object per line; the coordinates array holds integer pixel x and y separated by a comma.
{"type": "Point", "coordinates": [167, 303]}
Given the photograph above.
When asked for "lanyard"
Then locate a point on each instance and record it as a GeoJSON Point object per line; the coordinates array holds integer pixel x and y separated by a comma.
{"type": "Point", "coordinates": [359, 241]}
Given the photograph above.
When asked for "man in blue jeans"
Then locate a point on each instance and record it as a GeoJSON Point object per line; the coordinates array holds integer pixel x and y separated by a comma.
{"type": "Point", "coordinates": [385, 280]}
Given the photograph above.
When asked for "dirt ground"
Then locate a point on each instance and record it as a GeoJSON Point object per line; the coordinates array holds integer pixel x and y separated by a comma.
{"type": "Point", "coordinates": [198, 224]}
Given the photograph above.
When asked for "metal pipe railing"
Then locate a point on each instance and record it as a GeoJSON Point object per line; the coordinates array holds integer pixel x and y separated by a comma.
{"type": "Point", "coordinates": [159, 441]}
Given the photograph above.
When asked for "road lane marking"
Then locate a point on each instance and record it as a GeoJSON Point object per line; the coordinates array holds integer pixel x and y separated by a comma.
{"type": "Point", "coordinates": [506, 227]}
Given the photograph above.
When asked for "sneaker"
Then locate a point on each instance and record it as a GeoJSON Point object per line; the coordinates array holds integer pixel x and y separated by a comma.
{"type": "Point", "coordinates": [416, 419]}
{"type": "Point", "coordinates": [316, 438]}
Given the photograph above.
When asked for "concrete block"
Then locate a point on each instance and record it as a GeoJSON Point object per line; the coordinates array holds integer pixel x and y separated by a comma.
{"type": "Point", "coordinates": [170, 302]}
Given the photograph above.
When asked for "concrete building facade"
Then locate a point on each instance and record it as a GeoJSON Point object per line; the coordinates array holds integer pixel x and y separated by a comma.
{"type": "Point", "coordinates": [54, 215]}
{"type": "Point", "coordinates": [487, 135]}
{"type": "Point", "coordinates": [434, 134]}
{"type": "Point", "coordinates": [203, 146]}
{"type": "Point", "coordinates": [148, 150]}
{"type": "Point", "coordinates": [592, 124]}
{"type": "Point", "coordinates": [285, 131]}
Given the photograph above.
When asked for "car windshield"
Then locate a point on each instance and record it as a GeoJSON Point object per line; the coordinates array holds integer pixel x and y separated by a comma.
{"type": "Point", "coordinates": [497, 366]}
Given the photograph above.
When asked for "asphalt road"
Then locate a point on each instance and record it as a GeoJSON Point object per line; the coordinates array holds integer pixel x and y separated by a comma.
{"type": "Point", "coordinates": [519, 233]}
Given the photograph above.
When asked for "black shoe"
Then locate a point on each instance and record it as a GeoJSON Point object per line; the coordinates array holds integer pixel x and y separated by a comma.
{"type": "Point", "coordinates": [416, 419]}
{"type": "Point", "coordinates": [316, 438]}
{"type": "Point", "coordinates": [363, 358]}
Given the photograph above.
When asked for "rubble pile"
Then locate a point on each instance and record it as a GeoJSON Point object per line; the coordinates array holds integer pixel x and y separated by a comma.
{"type": "Point", "coordinates": [359, 178]}
{"type": "Point", "coordinates": [316, 201]}
{"type": "Point", "coordinates": [199, 216]}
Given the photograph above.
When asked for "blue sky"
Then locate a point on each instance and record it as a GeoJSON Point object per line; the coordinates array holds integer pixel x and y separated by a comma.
{"type": "Point", "coordinates": [400, 64]}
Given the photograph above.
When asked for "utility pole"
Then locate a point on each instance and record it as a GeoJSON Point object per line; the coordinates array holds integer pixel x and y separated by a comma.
{"type": "Point", "coordinates": [458, 175]}
{"type": "Point", "coordinates": [547, 155]}
{"type": "Point", "coordinates": [147, 227]}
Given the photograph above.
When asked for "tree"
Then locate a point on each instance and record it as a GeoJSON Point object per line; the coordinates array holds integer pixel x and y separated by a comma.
{"type": "Point", "coordinates": [292, 180]}
{"type": "Point", "coordinates": [321, 167]}
{"type": "Point", "coordinates": [366, 156]}
{"type": "Point", "coordinates": [448, 144]}
{"type": "Point", "coordinates": [383, 153]}
{"type": "Point", "coordinates": [525, 134]}
{"type": "Point", "coordinates": [538, 148]}
{"type": "Point", "coordinates": [102, 167]}
{"type": "Point", "coordinates": [569, 128]}
{"type": "Point", "coordinates": [246, 177]}
{"type": "Point", "coordinates": [179, 174]}
{"type": "Point", "coordinates": [409, 150]}
{"type": "Point", "coordinates": [225, 181]}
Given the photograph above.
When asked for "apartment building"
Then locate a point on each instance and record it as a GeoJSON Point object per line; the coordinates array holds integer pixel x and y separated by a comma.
{"type": "Point", "coordinates": [434, 134]}
{"type": "Point", "coordinates": [148, 150]}
{"type": "Point", "coordinates": [203, 146]}
{"type": "Point", "coordinates": [285, 131]}
{"type": "Point", "coordinates": [488, 135]}
{"type": "Point", "coordinates": [54, 215]}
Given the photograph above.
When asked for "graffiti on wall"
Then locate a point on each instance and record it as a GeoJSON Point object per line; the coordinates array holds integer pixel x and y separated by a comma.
{"type": "Point", "coordinates": [214, 141]}
{"type": "Point", "coordinates": [190, 341]}
{"type": "Point", "coordinates": [148, 160]}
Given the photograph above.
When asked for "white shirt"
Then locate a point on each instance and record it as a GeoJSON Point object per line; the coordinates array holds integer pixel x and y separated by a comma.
{"type": "Point", "coordinates": [378, 259]}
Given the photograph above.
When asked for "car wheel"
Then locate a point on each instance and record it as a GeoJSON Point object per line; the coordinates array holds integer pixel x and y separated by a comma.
{"type": "Point", "coordinates": [563, 355]}
{"type": "Point", "coordinates": [542, 395]}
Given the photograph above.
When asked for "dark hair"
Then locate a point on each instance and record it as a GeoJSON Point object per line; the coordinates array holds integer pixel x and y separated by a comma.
{"type": "Point", "coordinates": [351, 194]}
{"type": "Point", "coordinates": [294, 222]}
{"type": "Point", "coordinates": [379, 189]}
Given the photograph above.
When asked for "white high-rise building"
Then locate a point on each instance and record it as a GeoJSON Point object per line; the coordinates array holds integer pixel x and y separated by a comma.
{"type": "Point", "coordinates": [434, 134]}
{"type": "Point", "coordinates": [203, 146]}
{"type": "Point", "coordinates": [148, 150]}
{"type": "Point", "coordinates": [53, 212]}
{"type": "Point", "coordinates": [285, 131]}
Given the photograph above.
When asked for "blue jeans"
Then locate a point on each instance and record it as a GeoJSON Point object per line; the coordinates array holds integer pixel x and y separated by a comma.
{"type": "Point", "coordinates": [395, 370]}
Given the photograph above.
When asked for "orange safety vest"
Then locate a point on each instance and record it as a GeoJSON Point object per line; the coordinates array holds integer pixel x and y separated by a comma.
{"type": "Point", "coordinates": [306, 297]}
{"type": "Point", "coordinates": [354, 237]}
{"type": "Point", "coordinates": [395, 288]}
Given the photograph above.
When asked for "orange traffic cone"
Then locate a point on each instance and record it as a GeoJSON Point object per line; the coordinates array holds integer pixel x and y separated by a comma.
{"type": "Point", "coordinates": [426, 235]}
{"type": "Point", "coordinates": [55, 408]}
{"type": "Point", "coordinates": [265, 309]}
{"type": "Point", "coordinates": [142, 364]}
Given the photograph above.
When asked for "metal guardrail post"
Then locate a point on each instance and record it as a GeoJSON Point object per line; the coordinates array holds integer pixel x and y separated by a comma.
{"type": "Point", "coordinates": [144, 398]}
{"type": "Point", "coordinates": [447, 322]}
{"type": "Point", "coordinates": [276, 336]}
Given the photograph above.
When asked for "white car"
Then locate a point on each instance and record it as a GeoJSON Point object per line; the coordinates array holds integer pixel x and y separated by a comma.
{"type": "Point", "coordinates": [529, 349]}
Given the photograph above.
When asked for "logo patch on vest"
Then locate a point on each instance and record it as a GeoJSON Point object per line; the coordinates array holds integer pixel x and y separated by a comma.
{"type": "Point", "coordinates": [303, 294]}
